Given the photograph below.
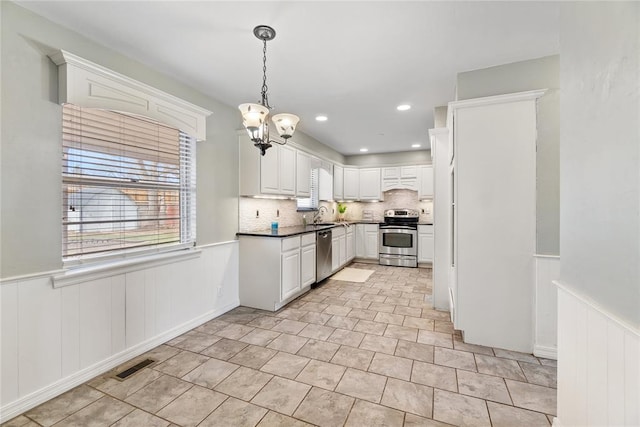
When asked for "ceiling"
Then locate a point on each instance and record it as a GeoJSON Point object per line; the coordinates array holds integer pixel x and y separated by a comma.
{"type": "Point", "coordinates": [353, 61]}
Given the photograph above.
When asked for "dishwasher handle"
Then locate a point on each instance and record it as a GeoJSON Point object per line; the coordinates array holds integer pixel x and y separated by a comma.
{"type": "Point", "coordinates": [324, 234]}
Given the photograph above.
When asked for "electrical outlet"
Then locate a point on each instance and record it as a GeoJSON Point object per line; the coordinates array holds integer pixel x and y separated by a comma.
{"type": "Point", "coordinates": [277, 213]}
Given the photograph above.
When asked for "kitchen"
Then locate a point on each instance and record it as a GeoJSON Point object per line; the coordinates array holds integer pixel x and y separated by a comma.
{"type": "Point", "coordinates": [62, 326]}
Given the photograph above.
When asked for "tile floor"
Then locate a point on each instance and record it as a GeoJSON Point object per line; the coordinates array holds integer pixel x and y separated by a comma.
{"type": "Point", "coordinates": [344, 354]}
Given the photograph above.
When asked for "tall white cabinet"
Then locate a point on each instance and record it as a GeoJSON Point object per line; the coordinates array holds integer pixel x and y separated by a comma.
{"type": "Point", "coordinates": [494, 222]}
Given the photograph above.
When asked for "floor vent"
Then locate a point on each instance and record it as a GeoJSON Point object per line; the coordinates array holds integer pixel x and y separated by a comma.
{"type": "Point", "coordinates": [132, 370]}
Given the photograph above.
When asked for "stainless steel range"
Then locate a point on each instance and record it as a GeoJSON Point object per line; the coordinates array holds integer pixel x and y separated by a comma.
{"type": "Point", "coordinates": [399, 238]}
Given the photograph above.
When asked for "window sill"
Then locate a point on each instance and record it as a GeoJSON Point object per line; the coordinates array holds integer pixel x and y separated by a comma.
{"type": "Point", "coordinates": [82, 274]}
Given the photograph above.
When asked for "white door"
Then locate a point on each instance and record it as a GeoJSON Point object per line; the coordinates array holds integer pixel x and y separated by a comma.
{"type": "Point", "coordinates": [290, 283]}
{"type": "Point", "coordinates": [308, 265]}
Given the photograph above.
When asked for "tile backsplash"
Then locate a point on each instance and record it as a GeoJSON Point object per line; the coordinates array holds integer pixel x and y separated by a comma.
{"type": "Point", "coordinates": [257, 214]}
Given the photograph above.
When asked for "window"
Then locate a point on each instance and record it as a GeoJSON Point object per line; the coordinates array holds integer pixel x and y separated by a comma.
{"type": "Point", "coordinates": [128, 185]}
{"type": "Point", "coordinates": [310, 203]}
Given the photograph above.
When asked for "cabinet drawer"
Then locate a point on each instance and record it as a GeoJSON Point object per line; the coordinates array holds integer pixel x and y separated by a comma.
{"type": "Point", "coordinates": [290, 243]}
{"type": "Point", "coordinates": [337, 231]}
{"type": "Point", "coordinates": [308, 239]}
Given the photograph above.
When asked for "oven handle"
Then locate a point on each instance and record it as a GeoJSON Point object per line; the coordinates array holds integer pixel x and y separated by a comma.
{"type": "Point", "coordinates": [397, 227]}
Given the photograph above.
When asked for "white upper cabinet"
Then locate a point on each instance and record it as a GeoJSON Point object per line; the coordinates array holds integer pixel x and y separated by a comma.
{"type": "Point", "coordinates": [325, 181]}
{"type": "Point", "coordinates": [303, 174]}
{"type": "Point", "coordinates": [274, 173]}
{"type": "Point", "coordinates": [351, 183]}
{"type": "Point", "coordinates": [399, 178]}
{"type": "Point", "coordinates": [338, 182]}
{"type": "Point", "coordinates": [425, 187]}
{"type": "Point", "coordinates": [369, 188]}
{"type": "Point", "coordinates": [287, 171]}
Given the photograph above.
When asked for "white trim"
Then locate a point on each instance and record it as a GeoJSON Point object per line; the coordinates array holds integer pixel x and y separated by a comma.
{"type": "Point", "coordinates": [8, 280]}
{"type": "Point", "coordinates": [85, 273]}
{"type": "Point", "coordinates": [31, 400]}
{"type": "Point", "coordinates": [545, 351]}
{"type": "Point", "coordinates": [556, 422]}
{"type": "Point", "coordinates": [595, 306]}
{"type": "Point", "coordinates": [438, 131]}
{"type": "Point", "coordinates": [211, 245]}
{"type": "Point", "coordinates": [546, 256]}
{"type": "Point", "coordinates": [497, 99]}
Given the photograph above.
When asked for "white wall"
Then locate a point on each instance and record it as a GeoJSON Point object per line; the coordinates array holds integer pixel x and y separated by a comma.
{"type": "Point", "coordinates": [599, 296]}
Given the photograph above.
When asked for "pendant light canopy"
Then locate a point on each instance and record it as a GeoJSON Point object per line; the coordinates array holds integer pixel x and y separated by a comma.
{"type": "Point", "coordinates": [255, 117]}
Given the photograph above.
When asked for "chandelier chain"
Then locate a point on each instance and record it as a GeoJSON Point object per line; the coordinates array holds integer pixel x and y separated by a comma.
{"type": "Point", "coordinates": [265, 96]}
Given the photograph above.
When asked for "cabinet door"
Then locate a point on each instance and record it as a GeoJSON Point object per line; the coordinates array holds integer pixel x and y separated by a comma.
{"type": "Point", "coordinates": [391, 173]}
{"type": "Point", "coordinates": [308, 265]}
{"type": "Point", "coordinates": [343, 249]}
{"type": "Point", "coordinates": [425, 186]}
{"type": "Point", "coordinates": [303, 174]}
{"type": "Point", "coordinates": [351, 183]}
{"type": "Point", "coordinates": [290, 280]}
{"type": "Point", "coordinates": [408, 172]}
{"type": "Point", "coordinates": [351, 253]}
{"type": "Point", "coordinates": [335, 253]}
{"type": "Point", "coordinates": [269, 181]}
{"type": "Point", "coordinates": [371, 245]}
{"type": "Point", "coordinates": [325, 181]}
{"type": "Point", "coordinates": [287, 170]}
{"type": "Point", "coordinates": [338, 182]}
{"type": "Point", "coordinates": [360, 241]}
{"type": "Point", "coordinates": [370, 184]}
{"type": "Point", "coordinates": [425, 247]}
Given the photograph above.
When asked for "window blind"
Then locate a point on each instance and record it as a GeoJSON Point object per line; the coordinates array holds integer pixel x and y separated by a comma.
{"type": "Point", "coordinates": [310, 203]}
{"type": "Point", "coordinates": [128, 184]}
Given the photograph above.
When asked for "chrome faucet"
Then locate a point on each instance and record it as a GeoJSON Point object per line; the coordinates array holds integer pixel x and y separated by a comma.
{"type": "Point", "coordinates": [318, 214]}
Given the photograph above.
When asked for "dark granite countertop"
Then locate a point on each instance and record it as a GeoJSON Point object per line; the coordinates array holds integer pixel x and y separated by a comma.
{"type": "Point", "coordinates": [425, 223]}
{"type": "Point", "coordinates": [299, 229]}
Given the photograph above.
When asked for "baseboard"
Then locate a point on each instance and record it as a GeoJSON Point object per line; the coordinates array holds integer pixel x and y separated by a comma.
{"type": "Point", "coordinates": [545, 351]}
{"type": "Point", "coordinates": [31, 400]}
{"type": "Point", "coordinates": [556, 422]}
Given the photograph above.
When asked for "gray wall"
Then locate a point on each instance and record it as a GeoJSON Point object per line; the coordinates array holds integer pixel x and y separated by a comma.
{"type": "Point", "coordinates": [386, 159]}
{"type": "Point", "coordinates": [599, 155]}
{"type": "Point", "coordinates": [541, 73]}
{"type": "Point", "coordinates": [30, 216]}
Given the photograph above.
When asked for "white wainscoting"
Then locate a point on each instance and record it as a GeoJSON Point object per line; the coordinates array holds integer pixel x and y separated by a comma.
{"type": "Point", "coordinates": [546, 306]}
{"type": "Point", "coordinates": [56, 338]}
{"type": "Point", "coordinates": [598, 365]}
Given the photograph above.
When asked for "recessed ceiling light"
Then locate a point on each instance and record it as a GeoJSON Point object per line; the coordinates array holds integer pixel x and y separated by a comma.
{"type": "Point", "coordinates": [322, 118]}
{"type": "Point", "coordinates": [416, 145]}
{"type": "Point", "coordinates": [364, 150]}
{"type": "Point", "coordinates": [403, 107]}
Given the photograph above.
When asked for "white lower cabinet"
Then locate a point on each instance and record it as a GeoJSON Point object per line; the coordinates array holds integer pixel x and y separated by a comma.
{"type": "Point", "coordinates": [425, 243]}
{"type": "Point", "coordinates": [274, 270]}
{"type": "Point", "coordinates": [338, 248]}
{"type": "Point", "coordinates": [366, 241]}
{"type": "Point", "coordinates": [351, 240]}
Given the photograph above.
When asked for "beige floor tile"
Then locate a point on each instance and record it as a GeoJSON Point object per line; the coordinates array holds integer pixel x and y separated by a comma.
{"type": "Point", "coordinates": [372, 415]}
{"type": "Point", "coordinates": [335, 300]}
{"type": "Point", "coordinates": [352, 295]}
{"type": "Point", "coordinates": [265, 322]}
{"type": "Point", "coordinates": [344, 337]}
{"type": "Point", "coordinates": [435, 338]}
{"type": "Point", "coordinates": [159, 393]}
{"type": "Point", "coordinates": [408, 311]}
{"type": "Point", "coordinates": [401, 332]}
{"type": "Point", "coordinates": [285, 365]}
{"type": "Point", "coordinates": [103, 412]}
{"type": "Point", "coordinates": [192, 406]}
{"type": "Point", "coordinates": [515, 355]}
{"type": "Point", "coordinates": [415, 351]}
{"type": "Point", "coordinates": [382, 307]}
{"type": "Point", "coordinates": [499, 367]}
{"type": "Point", "coordinates": [273, 419]}
{"type": "Point", "coordinates": [160, 353]}
{"type": "Point", "coordinates": [181, 364]}
{"type": "Point", "coordinates": [338, 310]}
{"type": "Point", "coordinates": [122, 389]}
{"type": "Point", "coordinates": [288, 343]}
{"type": "Point", "coordinates": [196, 341]}
{"type": "Point", "coordinates": [324, 408]}
{"type": "Point", "coordinates": [321, 374]}
{"type": "Point", "coordinates": [434, 376]}
{"type": "Point", "coordinates": [341, 322]}
{"type": "Point", "coordinates": [508, 416]}
{"type": "Point", "coordinates": [369, 327]}
{"type": "Point", "coordinates": [318, 332]}
{"type": "Point", "coordinates": [224, 349]}
{"type": "Point", "coordinates": [389, 318]}
{"type": "Point", "coordinates": [314, 306]}
{"type": "Point", "coordinates": [234, 331]}
{"type": "Point", "coordinates": [289, 326]}
{"type": "Point", "coordinates": [374, 298]}
{"type": "Point", "coordinates": [379, 344]}
{"type": "Point", "coordinates": [436, 315]}
{"type": "Point", "coordinates": [319, 350]}
{"type": "Point", "coordinates": [534, 397]}
{"type": "Point", "coordinates": [548, 362]}
{"type": "Point", "coordinates": [391, 366]}
{"type": "Point", "coordinates": [360, 313]}
{"type": "Point", "coordinates": [291, 313]}
{"type": "Point", "coordinates": [316, 318]}
{"type": "Point", "coordinates": [418, 322]}
{"type": "Point", "coordinates": [254, 356]}
{"type": "Point", "coordinates": [353, 357]}
{"type": "Point", "coordinates": [540, 374]}
{"type": "Point", "coordinates": [411, 420]}
{"type": "Point", "coordinates": [454, 359]}
{"type": "Point", "coordinates": [240, 315]}
{"type": "Point", "coordinates": [479, 349]}
{"type": "Point", "coordinates": [260, 337]}
{"type": "Point", "coordinates": [408, 397]}
{"type": "Point", "coordinates": [483, 386]}
{"type": "Point", "coordinates": [443, 326]}
{"type": "Point", "coordinates": [459, 410]}
{"type": "Point", "coordinates": [210, 373]}
{"type": "Point", "coordinates": [281, 395]}
{"type": "Point", "coordinates": [236, 413]}
{"type": "Point", "coordinates": [139, 418]}
{"type": "Point", "coordinates": [64, 405]}
{"type": "Point", "coordinates": [20, 421]}
{"type": "Point", "coordinates": [244, 383]}
{"type": "Point", "coordinates": [362, 385]}
{"type": "Point", "coordinates": [397, 301]}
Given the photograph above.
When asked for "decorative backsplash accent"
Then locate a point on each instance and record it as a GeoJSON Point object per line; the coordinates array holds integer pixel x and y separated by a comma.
{"type": "Point", "coordinates": [257, 214]}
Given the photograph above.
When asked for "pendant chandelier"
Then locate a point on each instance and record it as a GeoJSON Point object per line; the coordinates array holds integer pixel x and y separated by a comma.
{"type": "Point", "coordinates": [255, 117]}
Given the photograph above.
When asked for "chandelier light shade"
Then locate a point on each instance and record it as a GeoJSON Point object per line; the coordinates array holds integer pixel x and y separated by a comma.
{"type": "Point", "coordinates": [255, 117]}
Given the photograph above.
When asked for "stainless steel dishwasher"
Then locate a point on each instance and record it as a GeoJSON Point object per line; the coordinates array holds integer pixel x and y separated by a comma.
{"type": "Point", "coordinates": [323, 255]}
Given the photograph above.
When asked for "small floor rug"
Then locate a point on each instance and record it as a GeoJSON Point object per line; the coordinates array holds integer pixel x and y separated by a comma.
{"type": "Point", "coordinates": [352, 275]}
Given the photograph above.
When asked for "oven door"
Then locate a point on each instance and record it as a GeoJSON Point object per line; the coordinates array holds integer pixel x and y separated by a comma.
{"type": "Point", "coordinates": [398, 240]}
